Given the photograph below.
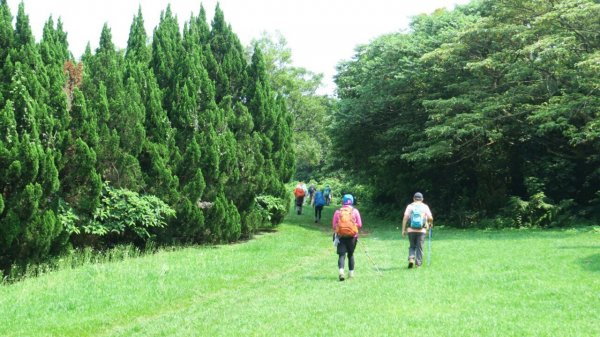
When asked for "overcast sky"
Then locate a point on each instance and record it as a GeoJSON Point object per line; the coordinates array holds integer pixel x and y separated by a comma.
{"type": "Point", "coordinates": [320, 33]}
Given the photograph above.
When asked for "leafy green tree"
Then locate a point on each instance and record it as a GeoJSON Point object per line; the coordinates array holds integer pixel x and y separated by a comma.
{"type": "Point", "coordinates": [309, 111]}
{"type": "Point", "coordinates": [477, 104]}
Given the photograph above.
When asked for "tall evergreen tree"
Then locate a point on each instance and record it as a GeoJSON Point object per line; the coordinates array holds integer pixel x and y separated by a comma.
{"type": "Point", "coordinates": [62, 78]}
{"type": "Point", "coordinates": [28, 223]}
{"type": "Point", "coordinates": [137, 48]}
{"type": "Point", "coordinates": [166, 50]}
{"type": "Point", "coordinates": [81, 186]}
{"type": "Point", "coordinates": [230, 76]}
{"type": "Point", "coordinates": [7, 41]}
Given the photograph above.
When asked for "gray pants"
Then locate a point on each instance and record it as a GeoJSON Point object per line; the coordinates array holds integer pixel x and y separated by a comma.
{"type": "Point", "coordinates": [415, 250]}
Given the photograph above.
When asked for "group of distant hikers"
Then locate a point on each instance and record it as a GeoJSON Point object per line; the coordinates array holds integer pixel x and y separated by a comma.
{"type": "Point", "coordinates": [347, 221]}
{"type": "Point", "coordinates": [316, 198]}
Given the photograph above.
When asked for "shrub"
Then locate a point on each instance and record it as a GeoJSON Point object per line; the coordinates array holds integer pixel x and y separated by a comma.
{"type": "Point", "coordinates": [538, 211]}
{"type": "Point", "coordinates": [272, 209]}
{"type": "Point", "coordinates": [122, 213]}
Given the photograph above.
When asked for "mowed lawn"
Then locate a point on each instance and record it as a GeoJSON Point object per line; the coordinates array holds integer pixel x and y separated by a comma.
{"type": "Point", "coordinates": [284, 283]}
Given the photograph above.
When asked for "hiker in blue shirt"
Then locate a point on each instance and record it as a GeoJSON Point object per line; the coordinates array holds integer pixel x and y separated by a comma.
{"type": "Point", "coordinates": [327, 195]}
{"type": "Point", "coordinates": [318, 202]}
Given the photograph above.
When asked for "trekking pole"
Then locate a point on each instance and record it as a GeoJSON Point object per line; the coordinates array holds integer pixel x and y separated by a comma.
{"type": "Point", "coordinates": [429, 250]}
{"type": "Point", "coordinates": [372, 262]}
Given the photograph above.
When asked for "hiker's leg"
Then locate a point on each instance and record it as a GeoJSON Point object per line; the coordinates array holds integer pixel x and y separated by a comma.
{"type": "Point", "coordinates": [351, 246]}
{"type": "Point", "coordinates": [412, 240]}
{"type": "Point", "coordinates": [420, 240]}
{"type": "Point", "coordinates": [341, 261]}
{"type": "Point", "coordinates": [318, 210]}
{"type": "Point", "coordinates": [342, 249]}
{"type": "Point", "coordinates": [298, 205]}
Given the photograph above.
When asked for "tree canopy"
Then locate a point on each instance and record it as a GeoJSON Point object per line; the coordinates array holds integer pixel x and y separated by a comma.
{"type": "Point", "coordinates": [490, 109]}
{"type": "Point", "coordinates": [185, 124]}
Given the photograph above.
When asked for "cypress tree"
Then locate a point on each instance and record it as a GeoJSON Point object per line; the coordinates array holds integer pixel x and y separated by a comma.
{"type": "Point", "coordinates": [83, 124]}
{"type": "Point", "coordinates": [28, 224]}
{"type": "Point", "coordinates": [7, 38]}
{"type": "Point", "coordinates": [159, 147]}
{"type": "Point", "coordinates": [23, 34]}
{"type": "Point", "coordinates": [137, 48]}
{"type": "Point", "coordinates": [230, 76]}
{"type": "Point", "coordinates": [189, 225]}
{"type": "Point", "coordinates": [62, 78]}
{"type": "Point", "coordinates": [131, 118]}
{"type": "Point", "coordinates": [166, 50]}
{"type": "Point", "coordinates": [81, 186]}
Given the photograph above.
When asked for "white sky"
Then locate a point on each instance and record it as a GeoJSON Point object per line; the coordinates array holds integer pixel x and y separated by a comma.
{"type": "Point", "coordinates": [320, 33]}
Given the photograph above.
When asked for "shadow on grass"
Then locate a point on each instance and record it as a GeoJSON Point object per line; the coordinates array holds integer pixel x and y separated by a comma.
{"type": "Point", "coordinates": [591, 263]}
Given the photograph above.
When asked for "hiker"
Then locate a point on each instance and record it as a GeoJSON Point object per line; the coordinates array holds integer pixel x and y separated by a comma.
{"type": "Point", "coordinates": [419, 218]}
{"type": "Point", "coordinates": [304, 188]}
{"type": "Point", "coordinates": [346, 222]}
{"type": "Point", "coordinates": [299, 194]}
{"type": "Point", "coordinates": [311, 193]}
{"type": "Point", "coordinates": [327, 195]}
{"type": "Point", "coordinates": [318, 203]}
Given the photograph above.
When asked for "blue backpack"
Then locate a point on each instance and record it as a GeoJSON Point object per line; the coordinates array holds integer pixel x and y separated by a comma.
{"type": "Point", "coordinates": [418, 216]}
{"type": "Point", "coordinates": [319, 199]}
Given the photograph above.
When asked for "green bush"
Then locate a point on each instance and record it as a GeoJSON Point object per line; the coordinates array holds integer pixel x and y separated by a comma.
{"type": "Point", "coordinates": [272, 209]}
{"type": "Point", "coordinates": [538, 211]}
{"type": "Point", "coordinates": [123, 212]}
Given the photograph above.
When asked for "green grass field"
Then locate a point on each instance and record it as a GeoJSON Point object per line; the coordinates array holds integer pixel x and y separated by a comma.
{"type": "Point", "coordinates": [284, 283]}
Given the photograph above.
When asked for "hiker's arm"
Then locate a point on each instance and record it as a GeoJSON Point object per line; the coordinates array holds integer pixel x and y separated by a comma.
{"type": "Point", "coordinates": [404, 220]}
{"type": "Point", "coordinates": [335, 219]}
{"type": "Point", "coordinates": [429, 218]}
{"type": "Point", "coordinates": [357, 218]}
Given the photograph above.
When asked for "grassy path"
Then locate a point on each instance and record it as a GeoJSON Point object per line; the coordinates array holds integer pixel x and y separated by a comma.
{"type": "Point", "coordinates": [482, 283]}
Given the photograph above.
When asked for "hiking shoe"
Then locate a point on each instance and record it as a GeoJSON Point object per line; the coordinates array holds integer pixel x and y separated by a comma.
{"type": "Point", "coordinates": [351, 274]}
{"type": "Point", "coordinates": [342, 277]}
{"type": "Point", "coordinates": [411, 263]}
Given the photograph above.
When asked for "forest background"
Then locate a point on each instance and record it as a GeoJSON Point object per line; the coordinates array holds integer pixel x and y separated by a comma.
{"type": "Point", "coordinates": [491, 110]}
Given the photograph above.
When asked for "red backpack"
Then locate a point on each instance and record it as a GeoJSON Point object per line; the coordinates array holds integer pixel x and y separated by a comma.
{"type": "Point", "coordinates": [346, 226]}
{"type": "Point", "coordinates": [299, 192]}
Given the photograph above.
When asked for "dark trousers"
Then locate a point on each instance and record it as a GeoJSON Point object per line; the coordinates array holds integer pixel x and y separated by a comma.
{"type": "Point", "coordinates": [299, 202]}
{"type": "Point", "coordinates": [415, 250]}
{"type": "Point", "coordinates": [318, 210]}
{"type": "Point", "coordinates": [346, 246]}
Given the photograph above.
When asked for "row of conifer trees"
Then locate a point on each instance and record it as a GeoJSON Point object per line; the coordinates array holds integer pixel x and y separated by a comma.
{"type": "Point", "coordinates": [188, 118]}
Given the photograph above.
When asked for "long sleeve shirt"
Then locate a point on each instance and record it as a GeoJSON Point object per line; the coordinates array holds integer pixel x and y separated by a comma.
{"type": "Point", "coordinates": [355, 215]}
